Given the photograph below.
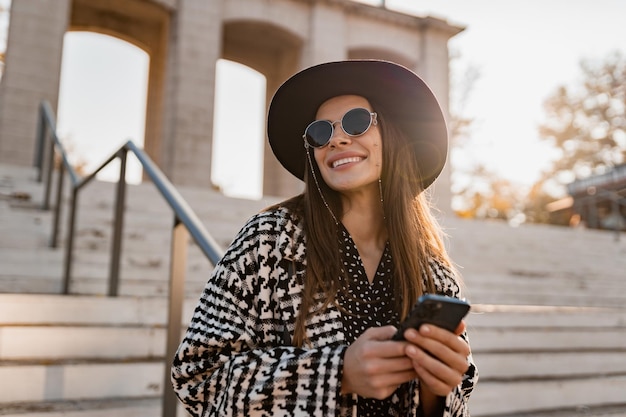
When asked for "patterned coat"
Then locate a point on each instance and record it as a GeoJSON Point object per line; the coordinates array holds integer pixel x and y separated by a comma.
{"type": "Point", "coordinates": [236, 358]}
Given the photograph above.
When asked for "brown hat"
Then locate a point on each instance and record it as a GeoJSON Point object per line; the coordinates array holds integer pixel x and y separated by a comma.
{"type": "Point", "coordinates": [406, 100]}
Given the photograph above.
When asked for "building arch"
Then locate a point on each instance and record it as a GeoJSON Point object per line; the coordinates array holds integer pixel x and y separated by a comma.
{"type": "Point", "coordinates": [144, 24]}
{"type": "Point", "coordinates": [101, 103]}
{"type": "Point", "coordinates": [274, 52]}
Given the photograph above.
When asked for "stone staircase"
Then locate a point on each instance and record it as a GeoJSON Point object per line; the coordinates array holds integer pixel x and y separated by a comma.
{"type": "Point", "coordinates": [537, 358]}
{"type": "Point", "coordinates": [548, 326]}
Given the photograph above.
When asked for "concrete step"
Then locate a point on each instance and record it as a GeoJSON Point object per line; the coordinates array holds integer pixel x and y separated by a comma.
{"type": "Point", "coordinates": [78, 381]}
{"type": "Point", "coordinates": [76, 310]}
{"type": "Point", "coordinates": [24, 344]}
{"type": "Point", "coordinates": [560, 355]}
{"type": "Point", "coordinates": [25, 233]}
{"type": "Point", "coordinates": [60, 350]}
{"type": "Point", "coordinates": [523, 398]}
{"type": "Point", "coordinates": [19, 183]}
{"type": "Point", "coordinates": [151, 407]}
{"type": "Point", "coordinates": [142, 407]}
{"type": "Point", "coordinates": [513, 366]}
{"type": "Point", "coordinates": [535, 358]}
{"type": "Point", "coordinates": [547, 339]}
{"type": "Point", "coordinates": [532, 264]}
{"type": "Point", "coordinates": [94, 279]}
{"type": "Point", "coordinates": [147, 212]}
{"type": "Point", "coordinates": [599, 411]}
{"type": "Point", "coordinates": [555, 291]}
{"type": "Point", "coordinates": [24, 228]}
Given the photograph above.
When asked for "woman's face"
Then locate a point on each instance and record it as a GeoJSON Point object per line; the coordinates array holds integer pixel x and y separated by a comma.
{"type": "Point", "coordinates": [349, 164]}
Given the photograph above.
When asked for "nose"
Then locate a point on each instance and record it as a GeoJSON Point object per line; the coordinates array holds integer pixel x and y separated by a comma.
{"type": "Point", "coordinates": [339, 136]}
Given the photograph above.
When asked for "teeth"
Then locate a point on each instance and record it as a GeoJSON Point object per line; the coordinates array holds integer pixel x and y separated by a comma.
{"type": "Point", "coordinates": [346, 161]}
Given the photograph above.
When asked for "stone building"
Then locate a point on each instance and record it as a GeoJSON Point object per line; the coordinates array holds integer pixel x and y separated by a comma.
{"type": "Point", "coordinates": [184, 39]}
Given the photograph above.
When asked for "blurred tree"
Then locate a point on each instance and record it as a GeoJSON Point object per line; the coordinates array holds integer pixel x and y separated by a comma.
{"type": "Point", "coordinates": [477, 193]}
{"type": "Point", "coordinates": [484, 195]}
{"type": "Point", "coordinates": [462, 82]}
{"type": "Point", "coordinates": [587, 124]}
{"type": "Point", "coordinates": [77, 161]}
{"type": "Point", "coordinates": [536, 202]}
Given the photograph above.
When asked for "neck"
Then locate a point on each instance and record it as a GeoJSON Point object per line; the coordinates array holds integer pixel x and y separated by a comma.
{"type": "Point", "coordinates": [363, 218]}
{"type": "Point", "coordinates": [365, 222]}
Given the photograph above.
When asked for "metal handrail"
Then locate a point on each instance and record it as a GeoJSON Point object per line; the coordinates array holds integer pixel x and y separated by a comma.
{"type": "Point", "coordinates": [186, 224]}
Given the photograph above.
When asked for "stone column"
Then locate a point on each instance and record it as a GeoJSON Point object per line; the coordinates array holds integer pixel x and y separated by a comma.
{"type": "Point", "coordinates": [277, 181]}
{"type": "Point", "coordinates": [31, 74]}
{"type": "Point", "coordinates": [195, 47]}
{"type": "Point", "coordinates": [156, 94]}
{"type": "Point", "coordinates": [326, 40]}
{"type": "Point", "coordinates": [434, 69]}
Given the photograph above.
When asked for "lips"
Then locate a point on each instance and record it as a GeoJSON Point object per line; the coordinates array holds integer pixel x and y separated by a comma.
{"type": "Point", "coordinates": [344, 161]}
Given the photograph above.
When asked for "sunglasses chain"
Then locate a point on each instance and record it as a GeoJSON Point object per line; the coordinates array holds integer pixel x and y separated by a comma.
{"type": "Point", "coordinates": [308, 154]}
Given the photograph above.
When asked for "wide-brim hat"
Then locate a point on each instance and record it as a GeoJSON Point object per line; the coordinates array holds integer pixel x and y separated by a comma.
{"type": "Point", "coordinates": [405, 97]}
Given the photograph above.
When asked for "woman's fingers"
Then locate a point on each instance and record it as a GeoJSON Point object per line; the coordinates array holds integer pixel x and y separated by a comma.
{"type": "Point", "coordinates": [439, 357]}
{"type": "Point", "coordinates": [374, 366]}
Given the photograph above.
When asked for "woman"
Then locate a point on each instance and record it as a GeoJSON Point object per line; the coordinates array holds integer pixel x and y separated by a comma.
{"type": "Point", "coordinates": [297, 318]}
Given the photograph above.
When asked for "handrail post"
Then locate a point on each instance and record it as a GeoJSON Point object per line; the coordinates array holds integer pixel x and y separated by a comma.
{"type": "Point", "coordinates": [69, 246]}
{"type": "Point", "coordinates": [118, 225]}
{"type": "Point", "coordinates": [49, 166]}
{"type": "Point", "coordinates": [616, 209]}
{"type": "Point", "coordinates": [54, 240]}
{"type": "Point", "coordinates": [39, 143]}
{"type": "Point", "coordinates": [178, 269]}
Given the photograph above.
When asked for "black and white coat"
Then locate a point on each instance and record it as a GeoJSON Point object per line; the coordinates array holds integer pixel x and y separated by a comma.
{"type": "Point", "coordinates": [237, 359]}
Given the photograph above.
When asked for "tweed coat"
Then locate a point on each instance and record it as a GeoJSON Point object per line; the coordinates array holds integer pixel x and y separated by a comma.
{"type": "Point", "coordinates": [237, 359]}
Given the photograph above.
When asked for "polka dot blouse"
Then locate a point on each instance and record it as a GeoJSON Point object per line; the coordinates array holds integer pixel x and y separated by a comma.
{"type": "Point", "coordinates": [368, 305]}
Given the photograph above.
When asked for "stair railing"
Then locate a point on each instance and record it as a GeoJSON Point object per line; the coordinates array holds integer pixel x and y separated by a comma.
{"type": "Point", "coordinates": [185, 224]}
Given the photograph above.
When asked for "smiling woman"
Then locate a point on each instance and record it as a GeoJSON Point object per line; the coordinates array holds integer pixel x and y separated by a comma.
{"type": "Point", "coordinates": [297, 317]}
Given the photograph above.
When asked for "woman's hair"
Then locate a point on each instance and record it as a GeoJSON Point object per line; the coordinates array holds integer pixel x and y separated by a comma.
{"type": "Point", "coordinates": [415, 237]}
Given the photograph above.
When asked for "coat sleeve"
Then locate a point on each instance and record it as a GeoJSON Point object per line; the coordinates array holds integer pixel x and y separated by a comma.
{"type": "Point", "coordinates": [457, 401]}
{"type": "Point", "coordinates": [233, 360]}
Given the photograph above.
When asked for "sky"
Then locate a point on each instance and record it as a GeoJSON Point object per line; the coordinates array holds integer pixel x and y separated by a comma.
{"type": "Point", "coordinates": [521, 50]}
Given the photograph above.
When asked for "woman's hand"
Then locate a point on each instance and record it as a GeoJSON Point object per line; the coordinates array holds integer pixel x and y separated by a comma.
{"type": "Point", "coordinates": [439, 357]}
{"type": "Point", "coordinates": [374, 366]}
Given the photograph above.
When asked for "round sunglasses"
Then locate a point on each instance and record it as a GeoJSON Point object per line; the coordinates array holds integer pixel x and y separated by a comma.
{"type": "Point", "coordinates": [354, 123]}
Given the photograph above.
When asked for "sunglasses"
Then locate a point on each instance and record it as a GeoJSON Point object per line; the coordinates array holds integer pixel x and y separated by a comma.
{"type": "Point", "coordinates": [354, 123]}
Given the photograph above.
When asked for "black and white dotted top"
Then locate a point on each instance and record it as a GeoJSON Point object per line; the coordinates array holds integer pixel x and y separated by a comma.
{"type": "Point", "coordinates": [368, 305]}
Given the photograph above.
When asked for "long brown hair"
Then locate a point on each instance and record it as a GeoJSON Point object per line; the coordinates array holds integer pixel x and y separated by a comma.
{"type": "Point", "coordinates": [415, 237]}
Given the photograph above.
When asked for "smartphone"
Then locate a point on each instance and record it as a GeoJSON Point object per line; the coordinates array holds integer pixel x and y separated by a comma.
{"type": "Point", "coordinates": [440, 310]}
